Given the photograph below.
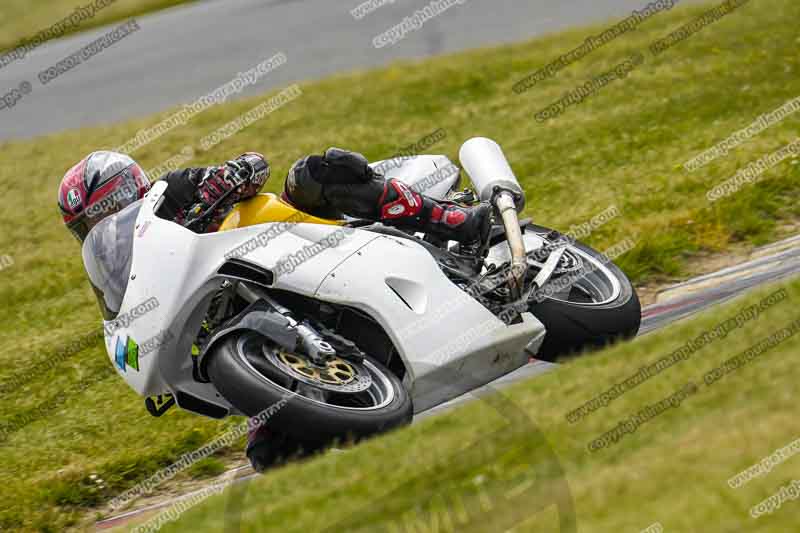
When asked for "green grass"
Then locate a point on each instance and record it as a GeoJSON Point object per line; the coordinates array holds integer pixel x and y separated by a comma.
{"type": "Point", "coordinates": [210, 467]}
{"type": "Point", "coordinates": [514, 461]}
{"type": "Point", "coordinates": [21, 20]}
{"type": "Point", "coordinates": [624, 146]}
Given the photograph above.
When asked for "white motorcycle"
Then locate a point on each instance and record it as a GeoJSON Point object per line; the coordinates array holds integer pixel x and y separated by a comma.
{"type": "Point", "coordinates": [360, 325]}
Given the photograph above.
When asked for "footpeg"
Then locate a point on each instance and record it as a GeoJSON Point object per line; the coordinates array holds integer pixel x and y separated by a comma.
{"type": "Point", "coordinates": [158, 405]}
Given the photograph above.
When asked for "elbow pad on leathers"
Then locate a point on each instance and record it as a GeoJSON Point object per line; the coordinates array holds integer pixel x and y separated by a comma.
{"type": "Point", "coordinates": [181, 191]}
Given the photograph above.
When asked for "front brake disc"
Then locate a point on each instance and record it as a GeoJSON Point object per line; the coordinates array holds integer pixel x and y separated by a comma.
{"type": "Point", "coordinates": [336, 375]}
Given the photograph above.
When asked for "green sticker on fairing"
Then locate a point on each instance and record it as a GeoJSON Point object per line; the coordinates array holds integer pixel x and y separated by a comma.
{"type": "Point", "coordinates": [132, 354]}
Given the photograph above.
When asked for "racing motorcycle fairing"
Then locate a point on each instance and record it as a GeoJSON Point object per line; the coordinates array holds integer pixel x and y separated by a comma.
{"type": "Point", "coordinates": [449, 343]}
{"type": "Point", "coordinates": [175, 273]}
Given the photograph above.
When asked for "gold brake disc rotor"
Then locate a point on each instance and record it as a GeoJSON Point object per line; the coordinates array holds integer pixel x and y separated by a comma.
{"type": "Point", "coordinates": [336, 374]}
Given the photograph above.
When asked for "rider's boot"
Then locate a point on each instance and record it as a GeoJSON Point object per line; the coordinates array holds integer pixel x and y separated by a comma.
{"type": "Point", "coordinates": [260, 451]}
{"type": "Point", "coordinates": [401, 206]}
{"type": "Point", "coordinates": [267, 448]}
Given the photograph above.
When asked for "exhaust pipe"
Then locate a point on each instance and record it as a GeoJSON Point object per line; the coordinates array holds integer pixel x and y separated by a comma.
{"type": "Point", "coordinates": [495, 183]}
{"type": "Point", "coordinates": [504, 203]}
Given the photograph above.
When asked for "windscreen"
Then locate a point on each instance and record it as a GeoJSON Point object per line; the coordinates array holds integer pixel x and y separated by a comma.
{"type": "Point", "coordinates": [107, 254]}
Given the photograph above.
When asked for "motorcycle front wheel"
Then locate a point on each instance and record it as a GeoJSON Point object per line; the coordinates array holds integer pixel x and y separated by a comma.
{"type": "Point", "coordinates": [341, 400]}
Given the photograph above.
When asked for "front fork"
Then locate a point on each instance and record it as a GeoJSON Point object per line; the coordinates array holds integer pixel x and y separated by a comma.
{"type": "Point", "coordinates": [310, 341]}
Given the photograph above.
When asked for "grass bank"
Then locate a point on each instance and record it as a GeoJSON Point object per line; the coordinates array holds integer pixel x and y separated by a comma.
{"type": "Point", "coordinates": [513, 462]}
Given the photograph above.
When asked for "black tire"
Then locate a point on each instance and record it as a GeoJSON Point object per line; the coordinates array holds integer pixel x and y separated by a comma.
{"type": "Point", "coordinates": [312, 422]}
{"type": "Point", "coordinates": [573, 328]}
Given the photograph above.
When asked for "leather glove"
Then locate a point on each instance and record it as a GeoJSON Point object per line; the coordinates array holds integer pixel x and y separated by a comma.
{"type": "Point", "coordinates": [215, 183]}
{"type": "Point", "coordinates": [254, 167]}
{"type": "Point", "coordinates": [247, 173]}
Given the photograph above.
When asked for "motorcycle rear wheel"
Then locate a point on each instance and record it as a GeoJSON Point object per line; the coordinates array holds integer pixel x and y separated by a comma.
{"type": "Point", "coordinates": [593, 312]}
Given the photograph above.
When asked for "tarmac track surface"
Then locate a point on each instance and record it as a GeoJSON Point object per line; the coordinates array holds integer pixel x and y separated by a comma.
{"type": "Point", "coordinates": [181, 54]}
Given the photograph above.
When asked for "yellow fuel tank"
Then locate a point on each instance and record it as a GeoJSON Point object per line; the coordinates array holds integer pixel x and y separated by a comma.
{"type": "Point", "coordinates": [268, 207]}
